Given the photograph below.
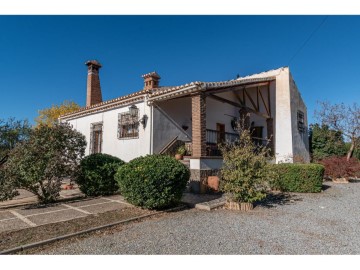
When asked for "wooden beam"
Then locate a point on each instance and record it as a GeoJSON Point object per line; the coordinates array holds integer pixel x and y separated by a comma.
{"type": "Point", "coordinates": [268, 90]}
{"type": "Point", "coordinates": [266, 107]}
{"type": "Point", "coordinates": [251, 100]}
{"type": "Point", "coordinates": [238, 105]}
{"type": "Point", "coordinates": [235, 88]}
{"type": "Point", "coordinates": [239, 98]}
{"type": "Point", "coordinates": [257, 98]}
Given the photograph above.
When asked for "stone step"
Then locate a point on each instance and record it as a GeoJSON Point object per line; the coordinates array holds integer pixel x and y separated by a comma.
{"type": "Point", "coordinates": [186, 163]}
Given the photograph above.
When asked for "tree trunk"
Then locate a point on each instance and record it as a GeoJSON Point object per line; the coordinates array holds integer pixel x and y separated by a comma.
{"type": "Point", "coordinates": [351, 150]}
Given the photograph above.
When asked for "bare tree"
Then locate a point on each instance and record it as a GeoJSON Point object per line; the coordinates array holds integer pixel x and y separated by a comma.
{"type": "Point", "coordinates": [342, 118]}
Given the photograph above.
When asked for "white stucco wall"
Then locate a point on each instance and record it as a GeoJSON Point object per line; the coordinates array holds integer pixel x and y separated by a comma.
{"type": "Point", "coordinates": [219, 112]}
{"type": "Point", "coordinates": [283, 125]}
{"type": "Point", "coordinates": [125, 149]}
{"type": "Point", "coordinates": [168, 118]}
{"type": "Point", "coordinates": [300, 139]}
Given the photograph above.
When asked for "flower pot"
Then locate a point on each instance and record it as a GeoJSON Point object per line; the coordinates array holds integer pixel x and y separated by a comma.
{"type": "Point", "coordinates": [213, 183]}
{"type": "Point", "coordinates": [239, 206]}
{"type": "Point", "coordinates": [178, 157]}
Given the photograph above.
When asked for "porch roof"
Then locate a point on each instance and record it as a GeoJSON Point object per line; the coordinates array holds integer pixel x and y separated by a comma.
{"type": "Point", "coordinates": [169, 92]}
{"type": "Point", "coordinates": [166, 92]}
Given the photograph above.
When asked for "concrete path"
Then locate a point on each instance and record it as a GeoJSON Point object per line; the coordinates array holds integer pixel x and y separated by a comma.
{"type": "Point", "coordinates": [31, 215]}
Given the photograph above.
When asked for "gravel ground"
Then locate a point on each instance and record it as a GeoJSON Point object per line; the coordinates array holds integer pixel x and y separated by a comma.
{"type": "Point", "coordinates": [324, 223]}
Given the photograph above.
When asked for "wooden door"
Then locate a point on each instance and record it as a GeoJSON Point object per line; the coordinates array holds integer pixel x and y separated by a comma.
{"type": "Point", "coordinates": [220, 128]}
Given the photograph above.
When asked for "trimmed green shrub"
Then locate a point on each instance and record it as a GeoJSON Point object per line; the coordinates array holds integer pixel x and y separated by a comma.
{"type": "Point", "coordinates": [153, 181]}
{"type": "Point", "coordinates": [298, 177]}
{"type": "Point", "coordinates": [97, 174]}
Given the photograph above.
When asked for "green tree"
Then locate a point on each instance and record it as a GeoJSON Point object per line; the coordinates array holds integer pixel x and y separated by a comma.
{"type": "Point", "coordinates": [41, 162]}
{"type": "Point", "coordinates": [49, 116]}
{"type": "Point", "coordinates": [326, 142]}
{"type": "Point", "coordinates": [12, 131]}
{"type": "Point", "coordinates": [342, 118]}
{"type": "Point", "coordinates": [245, 168]}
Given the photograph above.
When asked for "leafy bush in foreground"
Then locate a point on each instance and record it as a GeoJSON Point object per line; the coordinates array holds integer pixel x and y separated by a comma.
{"type": "Point", "coordinates": [97, 174]}
{"type": "Point", "coordinates": [153, 181]}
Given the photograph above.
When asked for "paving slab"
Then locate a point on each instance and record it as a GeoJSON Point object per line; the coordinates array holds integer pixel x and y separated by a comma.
{"type": "Point", "coordinates": [56, 217]}
{"type": "Point", "coordinates": [4, 215]}
{"type": "Point", "coordinates": [204, 201]}
{"type": "Point", "coordinates": [13, 224]}
{"type": "Point", "coordinates": [29, 211]}
{"type": "Point", "coordinates": [87, 202]}
{"type": "Point", "coordinates": [101, 208]}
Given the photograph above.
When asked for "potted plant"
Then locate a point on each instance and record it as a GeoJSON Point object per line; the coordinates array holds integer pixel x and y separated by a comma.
{"type": "Point", "coordinates": [180, 152]}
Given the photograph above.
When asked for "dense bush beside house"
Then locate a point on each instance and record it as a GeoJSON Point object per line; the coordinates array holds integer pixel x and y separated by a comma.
{"type": "Point", "coordinates": [39, 163]}
{"type": "Point", "coordinates": [97, 174]}
{"type": "Point", "coordinates": [339, 167]}
{"type": "Point", "coordinates": [298, 177]}
{"type": "Point", "coordinates": [153, 181]}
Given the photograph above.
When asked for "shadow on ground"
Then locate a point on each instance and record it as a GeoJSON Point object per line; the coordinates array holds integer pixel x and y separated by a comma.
{"type": "Point", "coordinates": [276, 199]}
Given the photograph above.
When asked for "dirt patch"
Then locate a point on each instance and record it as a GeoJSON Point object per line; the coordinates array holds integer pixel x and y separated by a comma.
{"type": "Point", "coordinates": [13, 239]}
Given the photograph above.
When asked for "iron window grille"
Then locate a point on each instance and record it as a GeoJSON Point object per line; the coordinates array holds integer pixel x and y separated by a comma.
{"type": "Point", "coordinates": [301, 121]}
{"type": "Point", "coordinates": [128, 125]}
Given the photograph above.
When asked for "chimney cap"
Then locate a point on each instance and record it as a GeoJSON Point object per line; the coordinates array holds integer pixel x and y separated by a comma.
{"type": "Point", "coordinates": [151, 75]}
{"type": "Point", "coordinates": [93, 62]}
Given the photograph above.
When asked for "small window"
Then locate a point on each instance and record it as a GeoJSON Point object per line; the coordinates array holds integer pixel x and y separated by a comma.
{"type": "Point", "coordinates": [96, 137]}
{"type": "Point", "coordinates": [301, 121]}
{"type": "Point", "coordinates": [128, 125]}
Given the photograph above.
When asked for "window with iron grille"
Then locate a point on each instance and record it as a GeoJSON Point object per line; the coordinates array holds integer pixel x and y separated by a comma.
{"type": "Point", "coordinates": [128, 125]}
{"type": "Point", "coordinates": [301, 121]}
{"type": "Point", "coordinates": [96, 138]}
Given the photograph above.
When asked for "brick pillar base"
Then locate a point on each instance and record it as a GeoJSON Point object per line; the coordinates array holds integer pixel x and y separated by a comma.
{"type": "Point", "coordinates": [198, 180]}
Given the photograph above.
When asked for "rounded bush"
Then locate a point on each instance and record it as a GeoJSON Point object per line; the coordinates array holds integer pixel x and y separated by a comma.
{"type": "Point", "coordinates": [153, 181]}
{"type": "Point", "coordinates": [298, 177]}
{"type": "Point", "coordinates": [97, 174]}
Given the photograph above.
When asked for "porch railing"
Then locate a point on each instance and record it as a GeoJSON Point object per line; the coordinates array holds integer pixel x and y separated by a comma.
{"type": "Point", "coordinates": [214, 137]}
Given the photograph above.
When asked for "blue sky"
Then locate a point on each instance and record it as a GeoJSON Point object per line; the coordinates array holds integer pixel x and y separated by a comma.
{"type": "Point", "coordinates": [42, 57]}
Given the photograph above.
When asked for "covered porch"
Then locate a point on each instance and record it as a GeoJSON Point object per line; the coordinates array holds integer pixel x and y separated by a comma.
{"type": "Point", "coordinates": [206, 118]}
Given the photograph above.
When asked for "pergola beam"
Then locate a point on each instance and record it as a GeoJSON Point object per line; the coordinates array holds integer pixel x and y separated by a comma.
{"type": "Point", "coordinates": [238, 105]}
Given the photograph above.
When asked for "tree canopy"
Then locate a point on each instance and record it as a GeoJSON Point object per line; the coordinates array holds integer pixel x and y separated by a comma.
{"type": "Point", "coordinates": [49, 116]}
{"type": "Point", "coordinates": [12, 131]}
{"type": "Point", "coordinates": [342, 118]}
{"type": "Point", "coordinates": [326, 142]}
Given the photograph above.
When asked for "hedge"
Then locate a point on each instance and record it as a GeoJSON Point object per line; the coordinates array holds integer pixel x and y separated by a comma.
{"type": "Point", "coordinates": [153, 181]}
{"type": "Point", "coordinates": [97, 174]}
{"type": "Point", "coordinates": [298, 177]}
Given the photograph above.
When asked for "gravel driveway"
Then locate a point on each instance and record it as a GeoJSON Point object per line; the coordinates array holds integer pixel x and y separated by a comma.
{"type": "Point", "coordinates": [325, 223]}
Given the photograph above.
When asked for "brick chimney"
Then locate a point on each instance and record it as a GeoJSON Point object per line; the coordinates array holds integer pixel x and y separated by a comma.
{"type": "Point", "coordinates": [151, 80]}
{"type": "Point", "coordinates": [93, 91]}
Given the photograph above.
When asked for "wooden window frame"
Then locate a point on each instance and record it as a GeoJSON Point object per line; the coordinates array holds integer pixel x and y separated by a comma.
{"type": "Point", "coordinates": [94, 128]}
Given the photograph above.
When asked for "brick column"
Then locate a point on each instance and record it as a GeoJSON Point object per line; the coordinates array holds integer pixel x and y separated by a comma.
{"type": "Point", "coordinates": [270, 133]}
{"type": "Point", "coordinates": [93, 91]}
{"type": "Point", "coordinates": [198, 106]}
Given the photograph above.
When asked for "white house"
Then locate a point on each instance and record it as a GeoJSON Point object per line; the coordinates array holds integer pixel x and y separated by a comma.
{"type": "Point", "coordinates": [157, 119]}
